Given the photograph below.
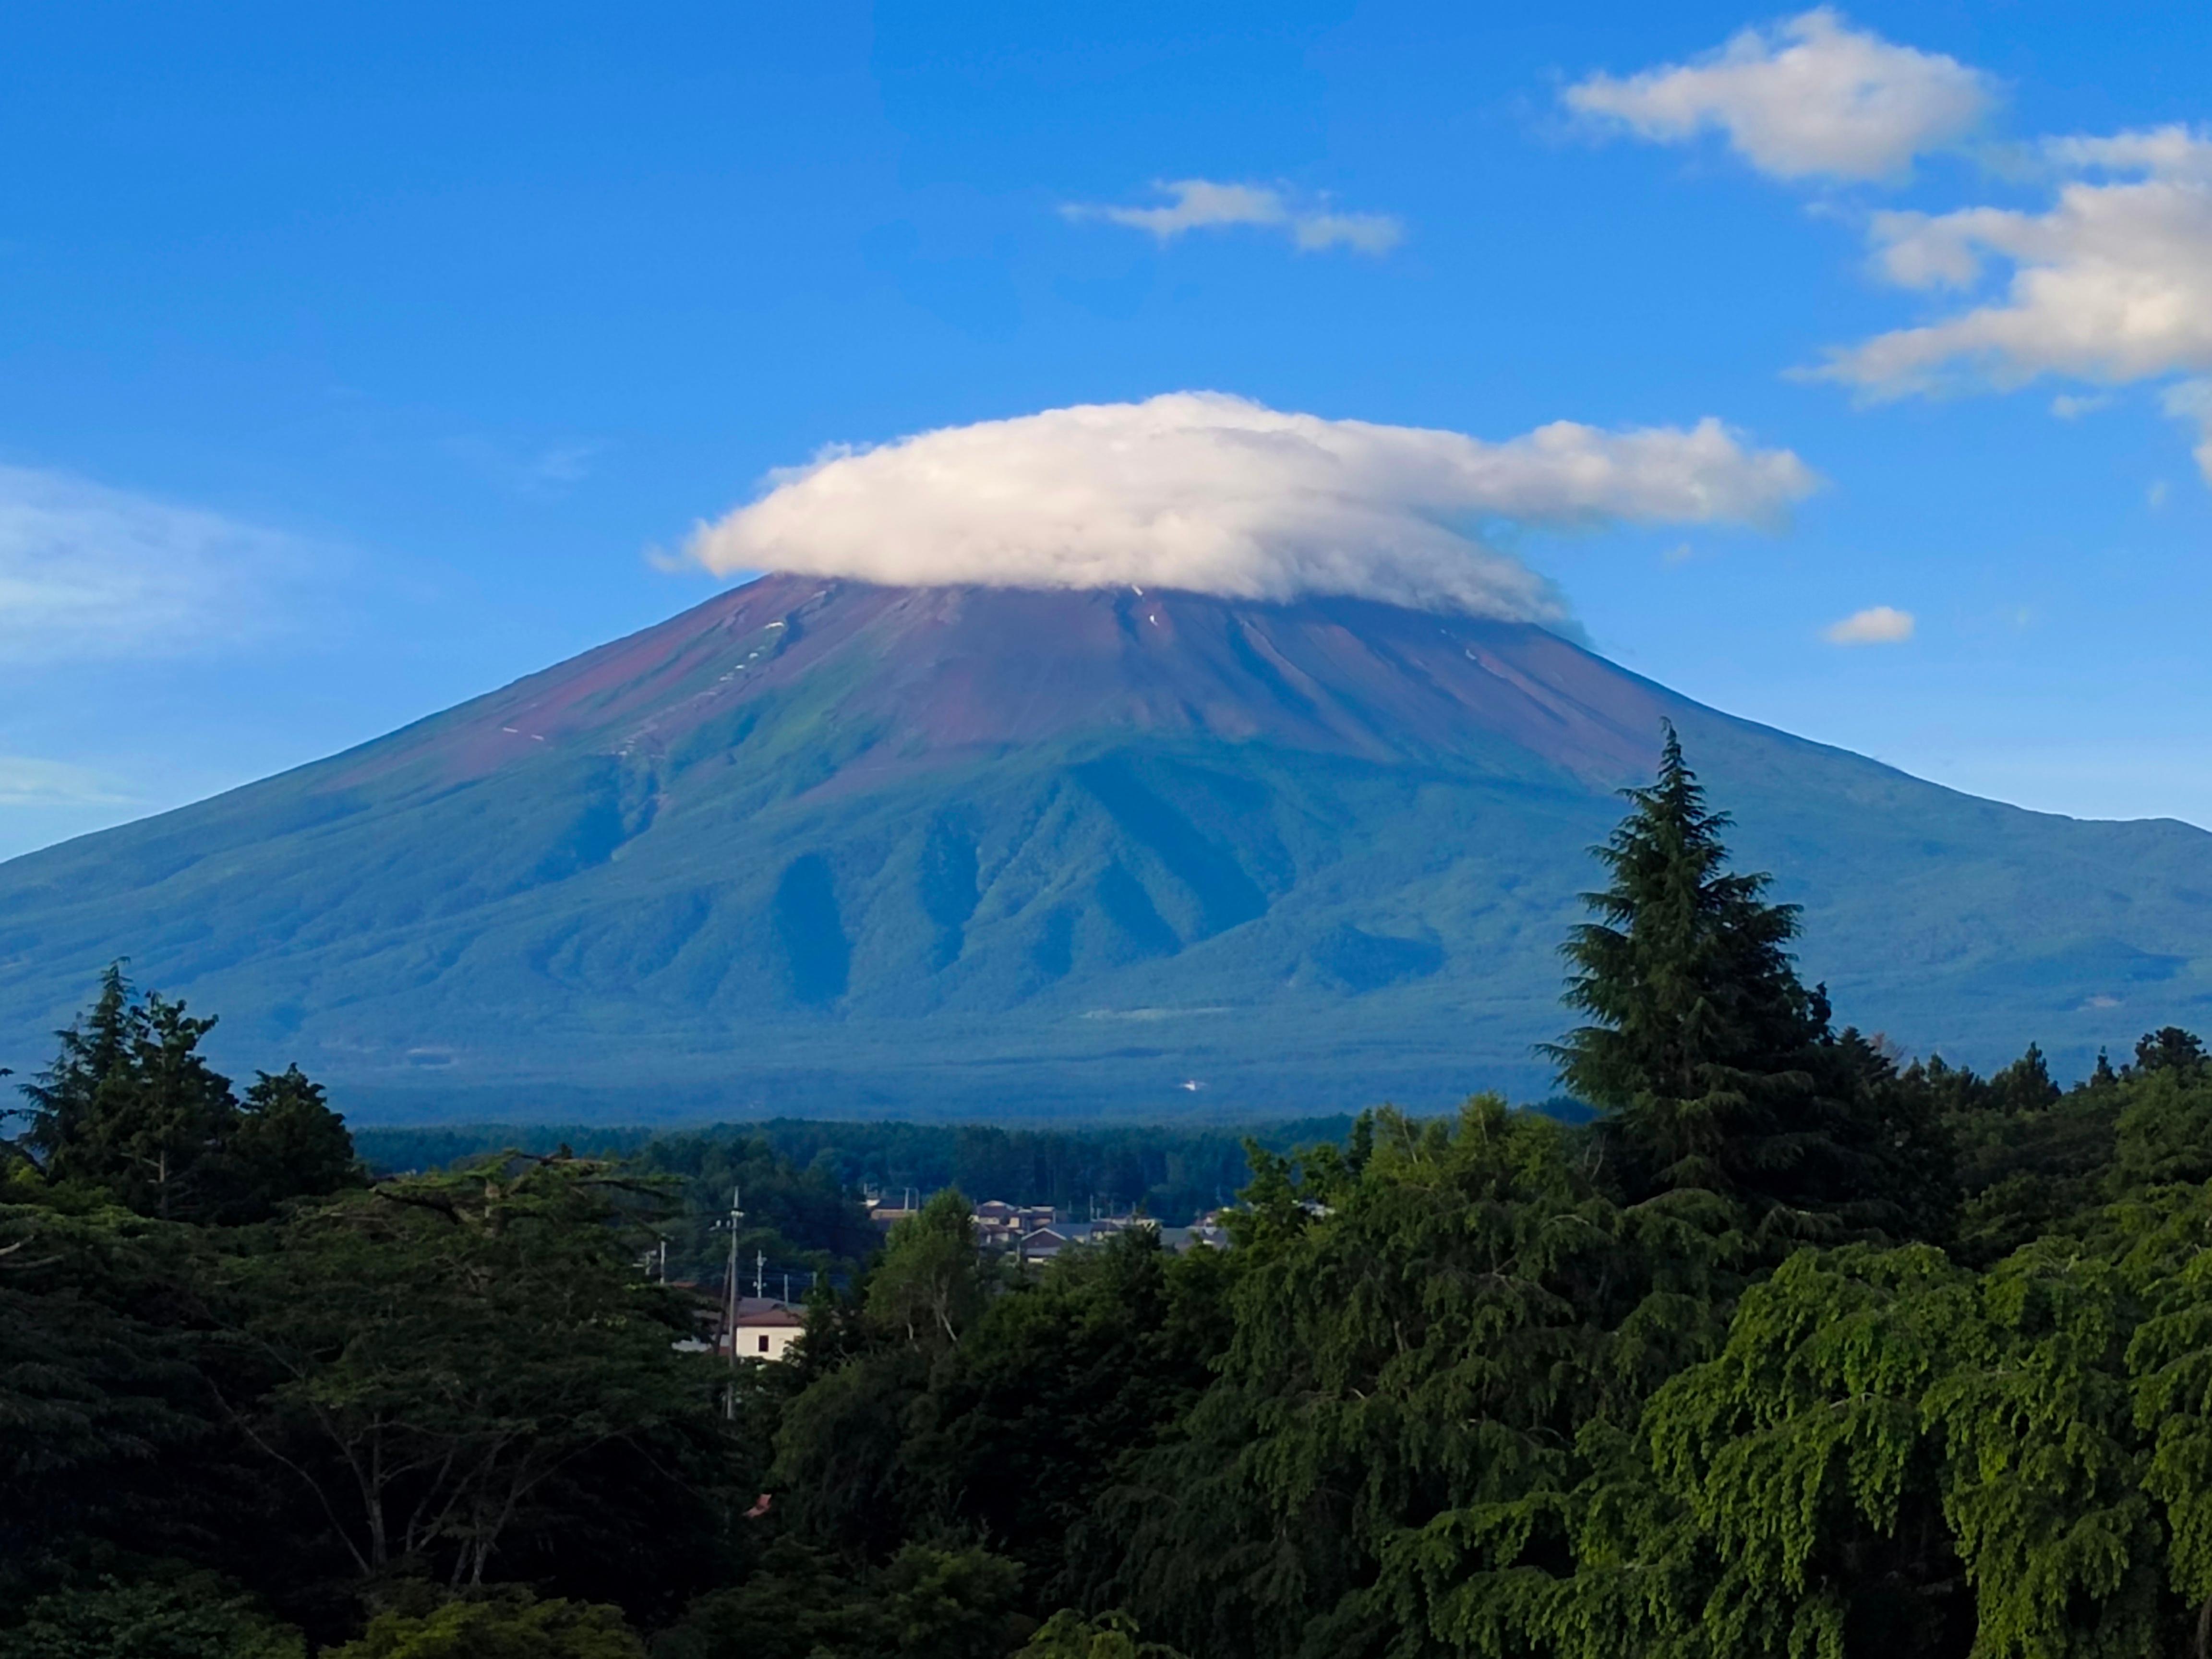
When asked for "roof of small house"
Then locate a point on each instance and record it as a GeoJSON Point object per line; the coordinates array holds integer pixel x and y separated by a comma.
{"type": "Point", "coordinates": [761, 1312]}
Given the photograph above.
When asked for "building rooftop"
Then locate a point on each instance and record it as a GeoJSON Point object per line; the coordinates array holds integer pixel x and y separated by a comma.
{"type": "Point", "coordinates": [759, 1311]}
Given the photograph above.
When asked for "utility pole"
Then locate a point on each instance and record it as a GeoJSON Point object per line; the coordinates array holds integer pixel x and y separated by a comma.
{"type": "Point", "coordinates": [760, 1270]}
{"type": "Point", "coordinates": [730, 1276]}
{"type": "Point", "coordinates": [730, 1295]}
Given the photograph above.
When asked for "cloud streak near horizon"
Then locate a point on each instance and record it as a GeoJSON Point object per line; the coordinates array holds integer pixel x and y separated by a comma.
{"type": "Point", "coordinates": [26, 781]}
{"type": "Point", "coordinates": [1219, 494]}
{"type": "Point", "coordinates": [90, 572]}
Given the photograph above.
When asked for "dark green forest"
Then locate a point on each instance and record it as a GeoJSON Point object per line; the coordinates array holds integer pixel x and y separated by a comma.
{"type": "Point", "coordinates": [1170, 1173]}
{"type": "Point", "coordinates": [1796, 1346]}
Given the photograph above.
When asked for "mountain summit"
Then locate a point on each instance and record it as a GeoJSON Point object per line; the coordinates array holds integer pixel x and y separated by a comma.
{"type": "Point", "coordinates": [820, 846]}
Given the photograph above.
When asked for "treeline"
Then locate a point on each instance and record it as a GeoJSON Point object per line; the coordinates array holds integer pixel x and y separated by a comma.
{"type": "Point", "coordinates": [1169, 1174]}
{"type": "Point", "coordinates": [1795, 1350]}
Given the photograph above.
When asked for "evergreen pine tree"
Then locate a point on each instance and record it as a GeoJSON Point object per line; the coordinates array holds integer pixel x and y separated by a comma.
{"type": "Point", "coordinates": [2024, 1086]}
{"type": "Point", "coordinates": [131, 1103]}
{"type": "Point", "coordinates": [1701, 1043]}
{"type": "Point", "coordinates": [2169, 1049]}
{"type": "Point", "coordinates": [286, 1142]}
{"type": "Point", "coordinates": [96, 1048]}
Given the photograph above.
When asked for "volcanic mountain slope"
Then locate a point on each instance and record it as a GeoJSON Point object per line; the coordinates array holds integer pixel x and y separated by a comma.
{"type": "Point", "coordinates": [821, 846]}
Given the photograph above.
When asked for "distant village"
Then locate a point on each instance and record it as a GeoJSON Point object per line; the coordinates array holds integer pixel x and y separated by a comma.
{"type": "Point", "coordinates": [1025, 1236]}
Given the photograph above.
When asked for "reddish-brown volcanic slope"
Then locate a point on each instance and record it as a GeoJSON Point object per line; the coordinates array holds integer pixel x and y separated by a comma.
{"type": "Point", "coordinates": [948, 673]}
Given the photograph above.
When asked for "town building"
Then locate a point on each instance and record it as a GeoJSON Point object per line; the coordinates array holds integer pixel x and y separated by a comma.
{"type": "Point", "coordinates": [1002, 1226]}
{"type": "Point", "coordinates": [887, 1213]}
{"type": "Point", "coordinates": [1041, 1244]}
{"type": "Point", "coordinates": [764, 1328]}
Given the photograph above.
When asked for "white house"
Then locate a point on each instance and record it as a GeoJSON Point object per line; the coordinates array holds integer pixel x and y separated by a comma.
{"type": "Point", "coordinates": [765, 1329]}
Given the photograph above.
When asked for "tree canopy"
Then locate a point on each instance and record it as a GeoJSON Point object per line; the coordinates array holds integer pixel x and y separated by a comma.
{"type": "Point", "coordinates": [132, 1107]}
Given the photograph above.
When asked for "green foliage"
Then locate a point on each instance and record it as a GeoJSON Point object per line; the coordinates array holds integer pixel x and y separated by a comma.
{"type": "Point", "coordinates": [511, 1625]}
{"type": "Point", "coordinates": [446, 1348]}
{"type": "Point", "coordinates": [925, 1603]}
{"type": "Point", "coordinates": [1418, 1334]}
{"type": "Point", "coordinates": [838, 1451]}
{"type": "Point", "coordinates": [2167, 1269]}
{"type": "Point", "coordinates": [2163, 1132]}
{"type": "Point", "coordinates": [1112, 1635]}
{"type": "Point", "coordinates": [2171, 1050]}
{"type": "Point", "coordinates": [2030, 1158]}
{"type": "Point", "coordinates": [1800, 1453]}
{"type": "Point", "coordinates": [103, 1412]}
{"type": "Point", "coordinates": [286, 1142]}
{"type": "Point", "coordinates": [1687, 979]}
{"type": "Point", "coordinates": [1170, 1172]}
{"type": "Point", "coordinates": [1716, 1065]}
{"type": "Point", "coordinates": [948, 1604]}
{"type": "Point", "coordinates": [799, 1216]}
{"type": "Point", "coordinates": [1059, 1378]}
{"type": "Point", "coordinates": [928, 1290]}
{"type": "Point", "coordinates": [2044, 1498]}
{"type": "Point", "coordinates": [1006, 1435]}
{"type": "Point", "coordinates": [131, 1106]}
{"type": "Point", "coordinates": [186, 1616]}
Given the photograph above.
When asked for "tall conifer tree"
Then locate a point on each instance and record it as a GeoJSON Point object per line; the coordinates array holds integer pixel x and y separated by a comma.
{"type": "Point", "coordinates": [131, 1104]}
{"type": "Point", "coordinates": [1701, 1038]}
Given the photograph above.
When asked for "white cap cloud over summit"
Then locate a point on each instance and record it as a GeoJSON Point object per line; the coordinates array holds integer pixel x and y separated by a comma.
{"type": "Point", "coordinates": [1219, 494]}
{"type": "Point", "coordinates": [1809, 96]}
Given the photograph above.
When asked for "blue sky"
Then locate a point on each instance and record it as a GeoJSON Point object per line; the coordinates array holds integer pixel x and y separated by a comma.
{"type": "Point", "coordinates": [353, 363]}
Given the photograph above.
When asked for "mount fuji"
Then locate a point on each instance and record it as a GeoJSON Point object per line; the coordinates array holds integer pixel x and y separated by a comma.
{"type": "Point", "coordinates": [824, 847]}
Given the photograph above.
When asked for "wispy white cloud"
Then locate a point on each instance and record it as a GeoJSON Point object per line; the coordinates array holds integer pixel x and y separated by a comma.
{"type": "Point", "coordinates": [2072, 406]}
{"type": "Point", "coordinates": [2111, 284]}
{"type": "Point", "coordinates": [551, 470]}
{"type": "Point", "coordinates": [1364, 233]}
{"type": "Point", "coordinates": [1880, 624]}
{"type": "Point", "coordinates": [27, 782]}
{"type": "Point", "coordinates": [2192, 401]}
{"type": "Point", "coordinates": [1203, 204]}
{"type": "Point", "coordinates": [1203, 491]}
{"type": "Point", "coordinates": [92, 572]}
{"type": "Point", "coordinates": [1806, 97]}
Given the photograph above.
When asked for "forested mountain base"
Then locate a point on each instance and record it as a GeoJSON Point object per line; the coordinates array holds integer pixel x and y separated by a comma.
{"type": "Point", "coordinates": [1793, 1350]}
